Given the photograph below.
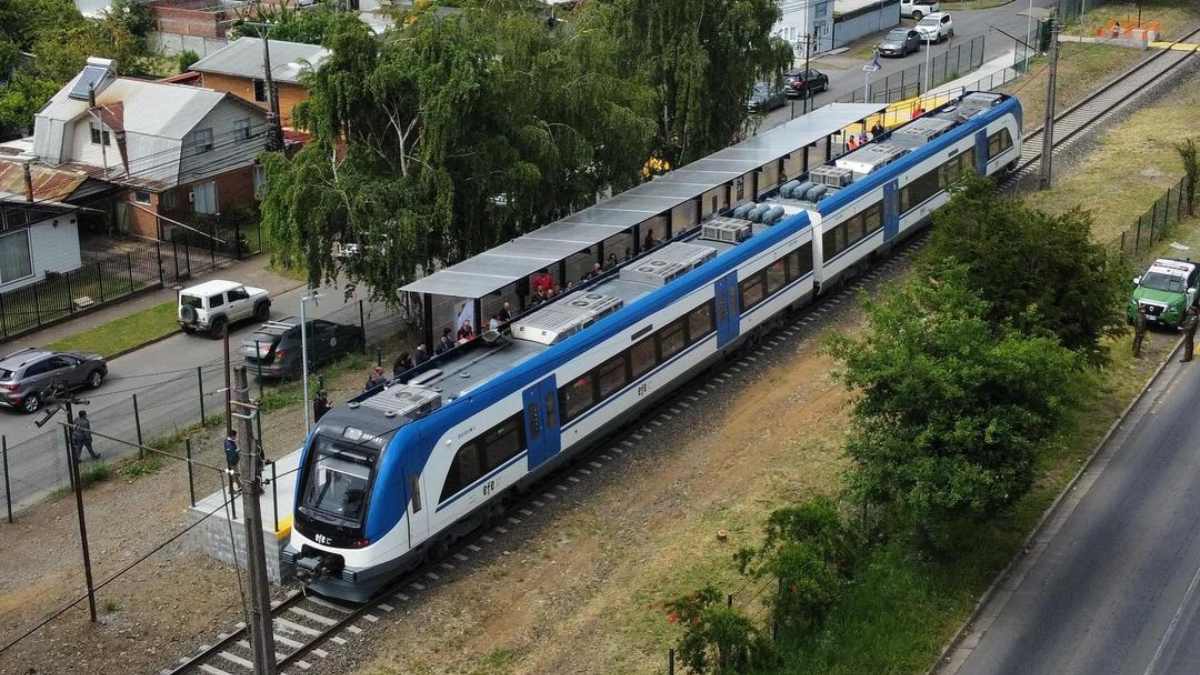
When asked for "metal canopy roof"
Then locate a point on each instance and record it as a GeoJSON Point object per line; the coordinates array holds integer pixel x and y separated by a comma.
{"type": "Point", "coordinates": [505, 264]}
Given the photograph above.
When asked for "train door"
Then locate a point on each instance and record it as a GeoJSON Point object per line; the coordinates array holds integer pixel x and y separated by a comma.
{"type": "Point", "coordinates": [981, 152]}
{"type": "Point", "coordinates": [728, 314]}
{"type": "Point", "coordinates": [891, 210]}
{"type": "Point", "coordinates": [542, 422]}
{"type": "Point", "coordinates": [418, 513]}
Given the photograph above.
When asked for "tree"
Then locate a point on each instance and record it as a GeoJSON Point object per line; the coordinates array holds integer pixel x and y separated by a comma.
{"type": "Point", "coordinates": [951, 409]}
{"type": "Point", "coordinates": [717, 639]}
{"type": "Point", "coordinates": [1041, 273]}
{"type": "Point", "coordinates": [701, 57]}
{"type": "Point", "coordinates": [309, 25]}
{"type": "Point", "coordinates": [447, 136]}
{"type": "Point", "coordinates": [20, 100]}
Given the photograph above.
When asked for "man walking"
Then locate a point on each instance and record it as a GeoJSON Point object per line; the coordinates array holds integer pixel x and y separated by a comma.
{"type": "Point", "coordinates": [1139, 330]}
{"type": "Point", "coordinates": [81, 436]}
{"type": "Point", "coordinates": [1189, 334]}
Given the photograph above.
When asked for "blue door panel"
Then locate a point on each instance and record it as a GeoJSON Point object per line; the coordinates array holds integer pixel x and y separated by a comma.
{"type": "Point", "coordinates": [728, 312]}
{"type": "Point", "coordinates": [981, 152]}
{"type": "Point", "coordinates": [891, 210]}
{"type": "Point", "coordinates": [542, 421]}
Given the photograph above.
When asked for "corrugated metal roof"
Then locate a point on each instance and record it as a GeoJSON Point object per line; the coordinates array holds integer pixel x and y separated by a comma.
{"type": "Point", "coordinates": [49, 184]}
{"type": "Point", "coordinates": [244, 58]}
{"type": "Point", "coordinates": [498, 267]}
{"type": "Point", "coordinates": [154, 108]}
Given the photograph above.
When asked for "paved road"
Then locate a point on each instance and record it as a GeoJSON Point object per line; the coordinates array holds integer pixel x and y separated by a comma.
{"type": "Point", "coordinates": [1111, 587]}
{"type": "Point", "coordinates": [846, 75]}
{"type": "Point", "coordinates": [163, 375]}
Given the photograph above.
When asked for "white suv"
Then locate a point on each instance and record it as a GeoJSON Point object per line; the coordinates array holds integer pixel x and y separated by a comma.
{"type": "Point", "coordinates": [214, 305]}
{"type": "Point", "coordinates": [918, 8]}
{"type": "Point", "coordinates": [936, 27]}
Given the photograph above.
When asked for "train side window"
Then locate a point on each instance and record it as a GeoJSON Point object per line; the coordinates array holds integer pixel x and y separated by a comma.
{"type": "Point", "coordinates": [998, 143]}
{"type": "Point", "coordinates": [916, 192]}
{"type": "Point", "coordinates": [576, 397]}
{"type": "Point", "coordinates": [464, 470]}
{"type": "Point", "coordinates": [854, 230]}
{"type": "Point", "coordinates": [642, 357]}
{"type": "Point", "coordinates": [611, 376]}
{"type": "Point", "coordinates": [753, 290]}
{"type": "Point", "coordinates": [776, 276]}
{"type": "Point", "coordinates": [873, 218]}
{"type": "Point", "coordinates": [835, 242]}
{"type": "Point", "coordinates": [414, 489]}
{"type": "Point", "coordinates": [671, 339]}
{"type": "Point", "coordinates": [501, 443]}
{"type": "Point", "coordinates": [800, 262]}
{"type": "Point", "coordinates": [700, 321]}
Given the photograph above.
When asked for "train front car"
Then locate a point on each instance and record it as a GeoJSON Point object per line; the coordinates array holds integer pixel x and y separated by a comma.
{"type": "Point", "coordinates": [351, 530]}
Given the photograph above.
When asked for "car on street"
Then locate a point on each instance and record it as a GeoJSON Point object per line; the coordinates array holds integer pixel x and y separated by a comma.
{"type": "Point", "coordinates": [28, 377]}
{"type": "Point", "coordinates": [1166, 289]}
{"type": "Point", "coordinates": [213, 306]}
{"type": "Point", "coordinates": [765, 97]}
{"type": "Point", "coordinates": [936, 27]}
{"type": "Point", "coordinates": [274, 349]}
{"type": "Point", "coordinates": [916, 9]}
{"type": "Point", "coordinates": [899, 42]}
{"type": "Point", "coordinates": [796, 82]}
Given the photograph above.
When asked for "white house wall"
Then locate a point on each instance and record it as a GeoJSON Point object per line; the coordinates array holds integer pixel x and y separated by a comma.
{"type": "Point", "coordinates": [152, 158]}
{"type": "Point", "coordinates": [51, 249]}
{"type": "Point", "coordinates": [228, 151]}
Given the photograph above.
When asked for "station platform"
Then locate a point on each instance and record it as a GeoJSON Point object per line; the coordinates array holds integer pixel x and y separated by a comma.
{"type": "Point", "coordinates": [212, 535]}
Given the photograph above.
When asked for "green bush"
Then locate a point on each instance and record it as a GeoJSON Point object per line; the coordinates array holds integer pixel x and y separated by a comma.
{"type": "Point", "coordinates": [186, 58]}
{"type": "Point", "coordinates": [717, 638]}
{"type": "Point", "coordinates": [142, 467]}
{"type": "Point", "coordinates": [94, 473]}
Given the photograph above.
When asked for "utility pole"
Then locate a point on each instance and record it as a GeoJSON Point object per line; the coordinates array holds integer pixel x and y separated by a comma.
{"type": "Point", "coordinates": [1048, 128]}
{"type": "Point", "coordinates": [262, 637]}
{"type": "Point", "coordinates": [807, 92]}
{"type": "Point", "coordinates": [275, 128]}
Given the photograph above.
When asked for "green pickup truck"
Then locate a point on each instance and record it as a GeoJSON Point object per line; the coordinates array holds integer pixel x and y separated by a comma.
{"type": "Point", "coordinates": [1166, 290]}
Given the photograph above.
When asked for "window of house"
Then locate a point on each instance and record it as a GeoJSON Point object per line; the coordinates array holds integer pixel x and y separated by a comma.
{"type": "Point", "coordinates": [642, 357]}
{"type": "Point", "coordinates": [241, 129]}
{"type": "Point", "coordinates": [671, 339]}
{"type": "Point", "coordinates": [260, 91]}
{"type": "Point", "coordinates": [576, 397]}
{"type": "Point", "coordinates": [99, 134]}
{"type": "Point", "coordinates": [15, 262]}
{"type": "Point", "coordinates": [198, 142]}
{"type": "Point", "coordinates": [204, 197]}
{"type": "Point", "coordinates": [141, 196]}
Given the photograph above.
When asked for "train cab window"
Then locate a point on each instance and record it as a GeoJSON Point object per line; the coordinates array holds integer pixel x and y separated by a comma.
{"type": "Point", "coordinates": [501, 443]}
{"type": "Point", "coordinates": [414, 489]}
{"type": "Point", "coordinates": [576, 397]}
{"type": "Point", "coordinates": [873, 219]}
{"type": "Point", "coordinates": [337, 483]}
{"type": "Point", "coordinates": [700, 321]}
{"type": "Point", "coordinates": [776, 276]}
{"type": "Point", "coordinates": [611, 376]}
{"type": "Point", "coordinates": [998, 143]}
{"type": "Point", "coordinates": [753, 290]}
{"type": "Point", "coordinates": [671, 339]}
{"type": "Point", "coordinates": [642, 357]}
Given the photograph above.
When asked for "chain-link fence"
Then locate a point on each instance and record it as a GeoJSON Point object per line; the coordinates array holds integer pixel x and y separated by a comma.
{"type": "Point", "coordinates": [144, 407]}
{"type": "Point", "coordinates": [951, 64]}
{"type": "Point", "coordinates": [1154, 224]}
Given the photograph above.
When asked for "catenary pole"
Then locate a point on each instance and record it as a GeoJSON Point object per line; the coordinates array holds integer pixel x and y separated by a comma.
{"type": "Point", "coordinates": [1047, 177]}
{"type": "Point", "coordinates": [261, 629]}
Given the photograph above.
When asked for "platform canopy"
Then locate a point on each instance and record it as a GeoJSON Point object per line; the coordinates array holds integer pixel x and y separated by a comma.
{"type": "Point", "coordinates": [498, 267]}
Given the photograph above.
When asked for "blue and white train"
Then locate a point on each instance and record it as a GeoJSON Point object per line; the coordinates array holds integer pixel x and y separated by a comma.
{"type": "Point", "coordinates": [400, 473]}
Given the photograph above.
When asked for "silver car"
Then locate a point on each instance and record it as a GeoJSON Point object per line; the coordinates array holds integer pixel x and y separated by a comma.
{"type": "Point", "coordinates": [29, 376]}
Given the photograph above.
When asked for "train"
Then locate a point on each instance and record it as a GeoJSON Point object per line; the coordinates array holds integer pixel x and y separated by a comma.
{"type": "Point", "coordinates": [396, 476]}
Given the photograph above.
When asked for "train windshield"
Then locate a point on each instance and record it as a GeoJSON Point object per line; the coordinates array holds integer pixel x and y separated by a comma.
{"type": "Point", "coordinates": [1164, 282]}
{"type": "Point", "coordinates": [337, 482]}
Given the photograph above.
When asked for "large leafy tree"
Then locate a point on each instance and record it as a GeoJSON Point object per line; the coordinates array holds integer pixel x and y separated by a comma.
{"type": "Point", "coordinates": [1042, 273]}
{"type": "Point", "coordinates": [951, 409]}
{"type": "Point", "coordinates": [702, 58]}
{"type": "Point", "coordinates": [448, 135]}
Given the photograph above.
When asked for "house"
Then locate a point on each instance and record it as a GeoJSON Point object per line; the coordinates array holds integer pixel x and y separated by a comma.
{"type": "Point", "coordinates": [238, 69]}
{"type": "Point", "coordinates": [831, 24]}
{"type": "Point", "coordinates": [35, 238]}
{"type": "Point", "coordinates": [166, 149]}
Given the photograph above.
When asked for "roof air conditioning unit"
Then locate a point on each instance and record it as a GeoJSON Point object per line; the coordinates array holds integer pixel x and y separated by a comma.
{"type": "Point", "coordinates": [727, 230]}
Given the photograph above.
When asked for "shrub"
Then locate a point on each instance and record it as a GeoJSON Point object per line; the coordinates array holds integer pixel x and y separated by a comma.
{"type": "Point", "coordinates": [186, 58]}
{"type": "Point", "coordinates": [717, 639]}
{"type": "Point", "coordinates": [94, 473]}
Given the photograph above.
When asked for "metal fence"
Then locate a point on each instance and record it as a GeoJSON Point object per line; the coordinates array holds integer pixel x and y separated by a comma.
{"type": "Point", "coordinates": [147, 406]}
{"type": "Point", "coordinates": [915, 80]}
{"type": "Point", "coordinates": [108, 277]}
{"type": "Point", "coordinates": [1155, 223]}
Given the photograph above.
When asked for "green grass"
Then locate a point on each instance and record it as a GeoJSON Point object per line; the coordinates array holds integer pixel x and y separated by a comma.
{"type": "Point", "coordinates": [1174, 16]}
{"type": "Point", "coordinates": [141, 467]}
{"type": "Point", "coordinates": [124, 333]}
{"type": "Point", "coordinates": [1081, 68]}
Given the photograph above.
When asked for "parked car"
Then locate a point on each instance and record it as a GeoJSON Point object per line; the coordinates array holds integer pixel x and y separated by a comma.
{"type": "Point", "coordinates": [918, 8]}
{"type": "Point", "coordinates": [936, 27]}
{"type": "Point", "coordinates": [1166, 290]}
{"type": "Point", "coordinates": [213, 306]}
{"type": "Point", "coordinates": [765, 98]}
{"type": "Point", "coordinates": [900, 42]}
{"type": "Point", "coordinates": [29, 376]}
{"type": "Point", "coordinates": [796, 82]}
{"type": "Point", "coordinates": [274, 349]}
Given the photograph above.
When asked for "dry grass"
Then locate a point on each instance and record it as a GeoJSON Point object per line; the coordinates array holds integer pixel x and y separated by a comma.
{"type": "Point", "coordinates": [1176, 17]}
{"type": "Point", "coordinates": [1132, 165]}
{"type": "Point", "coordinates": [1081, 69]}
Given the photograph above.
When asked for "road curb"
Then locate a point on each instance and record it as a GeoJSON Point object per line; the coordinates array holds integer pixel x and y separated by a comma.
{"type": "Point", "coordinates": [1004, 574]}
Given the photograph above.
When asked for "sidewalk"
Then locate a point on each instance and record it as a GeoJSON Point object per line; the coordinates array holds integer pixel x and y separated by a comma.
{"type": "Point", "coordinates": [252, 271]}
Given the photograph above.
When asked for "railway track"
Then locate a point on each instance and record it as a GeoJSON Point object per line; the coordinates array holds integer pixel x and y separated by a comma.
{"type": "Point", "coordinates": [1094, 107]}
{"type": "Point", "coordinates": [303, 624]}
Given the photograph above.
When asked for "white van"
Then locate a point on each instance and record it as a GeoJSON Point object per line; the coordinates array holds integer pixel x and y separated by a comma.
{"type": "Point", "coordinates": [918, 8]}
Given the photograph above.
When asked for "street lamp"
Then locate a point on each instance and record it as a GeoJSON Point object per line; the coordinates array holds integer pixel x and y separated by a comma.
{"type": "Point", "coordinates": [928, 56]}
{"type": "Point", "coordinates": [315, 297]}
